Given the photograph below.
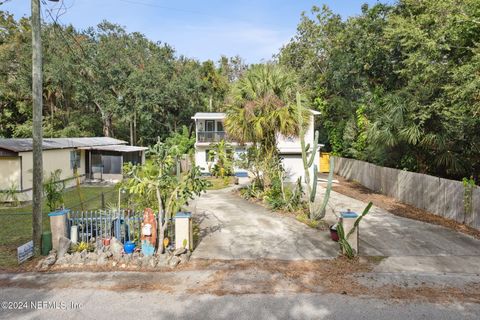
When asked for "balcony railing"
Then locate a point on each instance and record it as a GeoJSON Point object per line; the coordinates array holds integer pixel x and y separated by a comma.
{"type": "Point", "coordinates": [211, 136]}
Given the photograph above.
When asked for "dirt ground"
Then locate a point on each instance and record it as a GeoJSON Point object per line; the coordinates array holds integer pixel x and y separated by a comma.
{"type": "Point", "coordinates": [239, 277]}
{"type": "Point", "coordinates": [359, 192]}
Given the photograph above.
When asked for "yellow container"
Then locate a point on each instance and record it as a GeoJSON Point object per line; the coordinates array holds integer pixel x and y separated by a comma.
{"type": "Point", "coordinates": [324, 165]}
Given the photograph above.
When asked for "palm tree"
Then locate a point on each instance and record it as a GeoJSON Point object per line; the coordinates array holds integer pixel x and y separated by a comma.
{"type": "Point", "coordinates": [262, 106]}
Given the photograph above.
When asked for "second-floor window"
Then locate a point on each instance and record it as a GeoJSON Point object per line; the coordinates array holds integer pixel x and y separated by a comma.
{"type": "Point", "coordinates": [209, 125]}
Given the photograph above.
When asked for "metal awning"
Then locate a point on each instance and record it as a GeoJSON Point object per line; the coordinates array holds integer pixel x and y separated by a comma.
{"type": "Point", "coordinates": [209, 116]}
{"type": "Point", "coordinates": [115, 148]}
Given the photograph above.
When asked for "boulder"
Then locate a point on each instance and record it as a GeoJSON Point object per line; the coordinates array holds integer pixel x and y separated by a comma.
{"type": "Point", "coordinates": [162, 260]}
{"type": "Point", "coordinates": [63, 246]}
{"type": "Point", "coordinates": [77, 258]}
{"type": "Point", "coordinates": [174, 261]}
{"type": "Point", "coordinates": [49, 260]}
{"type": "Point", "coordinates": [153, 262]}
{"type": "Point", "coordinates": [66, 259]}
{"type": "Point", "coordinates": [91, 256]}
{"type": "Point", "coordinates": [179, 251]}
{"type": "Point", "coordinates": [145, 261]}
{"type": "Point", "coordinates": [184, 258]}
{"type": "Point", "coordinates": [102, 259]}
{"type": "Point", "coordinates": [116, 247]}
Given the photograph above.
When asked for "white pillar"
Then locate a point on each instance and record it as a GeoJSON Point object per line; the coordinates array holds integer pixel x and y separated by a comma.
{"type": "Point", "coordinates": [348, 219]}
{"type": "Point", "coordinates": [183, 230]}
{"type": "Point", "coordinates": [58, 226]}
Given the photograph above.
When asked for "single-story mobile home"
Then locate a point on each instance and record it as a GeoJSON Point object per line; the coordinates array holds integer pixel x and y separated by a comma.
{"type": "Point", "coordinates": [92, 158]}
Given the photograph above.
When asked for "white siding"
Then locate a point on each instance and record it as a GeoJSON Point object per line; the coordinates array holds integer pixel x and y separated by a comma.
{"type": "Point", "coordinates": [10, 172]}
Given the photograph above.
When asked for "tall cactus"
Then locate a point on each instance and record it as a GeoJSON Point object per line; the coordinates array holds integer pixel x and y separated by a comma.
{"type": "Point", "coordinates": [308, 156]}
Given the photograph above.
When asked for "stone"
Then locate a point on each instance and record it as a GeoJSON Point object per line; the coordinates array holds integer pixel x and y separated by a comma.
{"type": "Point", "coordinates": [174, 261]}
{"type": "Point", "coordinates": [65, 260]}
{"type": "Point", "coordinates": [184, 258]}
{"type": "Point", "coordinates": [162, 260]}
{"type": "Point", "coordinates": [49, 260]}
{"type": "Point", "coordinates": [152, 262]}
{"type": "Point", "coordinates": [83, 254]}
{"type": "Point", "coordinates": [135, 255]}
{"type": "Point", "coordinates": [179, 251]}
{"type": "Point", "coordinates": [145, 261]}
{"type": "Point", "coordinates": [91, 257]}
{"type": "Point", "coordinates": [102, 259]}
{"type": "Point", "coordinates": [77, 258]}
{"type": "Point", "coordinates": [63, 246]}
{"type": "Point", "coordinates": [116, 247]}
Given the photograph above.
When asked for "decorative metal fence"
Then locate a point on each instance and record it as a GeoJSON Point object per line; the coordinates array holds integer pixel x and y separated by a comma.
{"type": "Point", "coordinates": [105, 224]}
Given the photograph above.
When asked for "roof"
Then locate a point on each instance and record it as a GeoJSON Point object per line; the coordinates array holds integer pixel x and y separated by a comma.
{"type": "Point", "coordinates": [116, 147]}
{"type": "Point", "coordinates": [22, 145]}
{"type": "Point", "coordinates": [221, 115]}
{"type": "Point", "coordinates": [209, 115]}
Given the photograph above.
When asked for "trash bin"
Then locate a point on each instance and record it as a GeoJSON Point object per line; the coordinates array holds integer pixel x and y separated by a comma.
{"type": "Point", "coordinates": [46, 242]}
{"type": "Point", "coordinates": [183, 230]}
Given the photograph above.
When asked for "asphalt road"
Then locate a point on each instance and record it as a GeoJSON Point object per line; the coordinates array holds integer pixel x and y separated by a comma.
{"type": "Point", "coordinates": [100, 304]}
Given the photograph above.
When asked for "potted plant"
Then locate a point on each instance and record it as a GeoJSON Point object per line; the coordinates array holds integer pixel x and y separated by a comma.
{"type": "Point", "coordinates": [333, 232]}
{"type": "Point", "coordinates": [129, 247]}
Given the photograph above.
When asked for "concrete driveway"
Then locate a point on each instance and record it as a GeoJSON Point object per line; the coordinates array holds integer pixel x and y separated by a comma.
{"type": "Point", "coordinates": [233, 228]}
{"type": "Point", "coordinates": [410, 245]}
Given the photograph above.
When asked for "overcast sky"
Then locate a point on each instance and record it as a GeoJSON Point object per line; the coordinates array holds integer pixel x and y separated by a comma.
{"type": "Point", "coordinates": [200, 29]}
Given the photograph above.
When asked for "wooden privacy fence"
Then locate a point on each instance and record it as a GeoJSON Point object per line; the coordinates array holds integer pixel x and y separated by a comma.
{"type": "Point", "coordinates": [439, 196]}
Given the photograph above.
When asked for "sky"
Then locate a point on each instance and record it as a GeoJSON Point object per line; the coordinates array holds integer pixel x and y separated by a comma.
{"type": "Point", "coordinates": [201, 29]}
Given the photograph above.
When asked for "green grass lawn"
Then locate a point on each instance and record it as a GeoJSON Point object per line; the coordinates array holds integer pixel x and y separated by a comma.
{"type": "Point", "coordinates": [16, 223]}
{"type": "Point", "coordinates": [218, 183]}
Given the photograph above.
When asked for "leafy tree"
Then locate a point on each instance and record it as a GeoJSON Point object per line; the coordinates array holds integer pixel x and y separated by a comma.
{"type": "Point", "coordinates": [159, 180]}
{"type": "Point", "coordinates": [53, 188]}
{"type": "Point", "coordinates": [222, 154]}
{"type": "Point", "coordinates": [396, 85]}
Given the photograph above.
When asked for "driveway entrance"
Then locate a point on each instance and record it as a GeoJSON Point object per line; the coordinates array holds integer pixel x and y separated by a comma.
{"type": "Point", "coordinates": [233, 228]}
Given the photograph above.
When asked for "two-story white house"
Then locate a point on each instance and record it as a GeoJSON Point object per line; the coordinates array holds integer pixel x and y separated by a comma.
{"type": "Point", "coordinates": [209, 130]}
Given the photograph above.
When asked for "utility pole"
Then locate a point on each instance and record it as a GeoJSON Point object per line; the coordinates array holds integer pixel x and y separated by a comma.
{"type": "Point", "coordinates": [37, 86]}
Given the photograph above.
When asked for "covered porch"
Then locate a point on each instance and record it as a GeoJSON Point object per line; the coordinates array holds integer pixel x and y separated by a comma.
{"type": "Point", "coordinates": [104, 163]}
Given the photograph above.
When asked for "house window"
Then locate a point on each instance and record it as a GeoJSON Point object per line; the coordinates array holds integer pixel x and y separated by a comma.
{"type": "Point", "coordinates": [209, 125]}
{"type": "Point", "coordinates": [220, 126]}
{"type": "Point", "coordinates": [75, 157]}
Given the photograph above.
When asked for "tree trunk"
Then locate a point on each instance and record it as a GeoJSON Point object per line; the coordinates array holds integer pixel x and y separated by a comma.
{"type": "Point", "coordinates": [131, 133]}
{"type": "Point", "coordinates": [134, 126]}
{"type": "Point", "coordinates": [37, 125]}
{"type": "Point", "coordinates": [161, 227]}
{"type": "Point", "coordinates": [107, 126]}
